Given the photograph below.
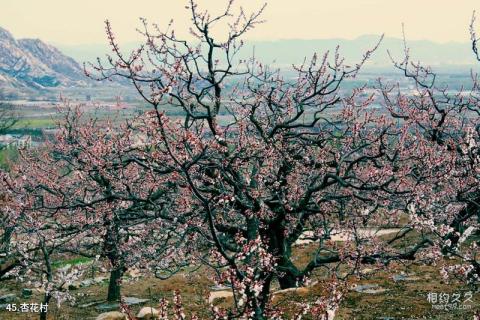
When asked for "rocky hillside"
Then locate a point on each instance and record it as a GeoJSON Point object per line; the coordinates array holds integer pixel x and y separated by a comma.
{"type": "Point", "coordinates": [33, 64]}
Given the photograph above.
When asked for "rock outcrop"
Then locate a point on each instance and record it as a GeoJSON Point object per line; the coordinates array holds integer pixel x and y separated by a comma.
{"type": "Point", "coordinates": [33, 64]}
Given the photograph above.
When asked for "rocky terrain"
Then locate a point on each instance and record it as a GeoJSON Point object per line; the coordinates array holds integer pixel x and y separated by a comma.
{"type": "Point", "coordinates": [28, 65]}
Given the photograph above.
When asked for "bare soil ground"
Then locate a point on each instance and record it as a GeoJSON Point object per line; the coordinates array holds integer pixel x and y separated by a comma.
{"type": "Point", "coordinates": [403, 297]}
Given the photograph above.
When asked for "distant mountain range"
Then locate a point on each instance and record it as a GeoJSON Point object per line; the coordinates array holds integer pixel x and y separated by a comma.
{"type": "Point", "coordinates": [451, 56]}
{"type": "Point", "coordinates": [32, 64]}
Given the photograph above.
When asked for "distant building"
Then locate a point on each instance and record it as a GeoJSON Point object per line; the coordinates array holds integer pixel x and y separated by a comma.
{"type": "Point", "coordinates": [9, 140]}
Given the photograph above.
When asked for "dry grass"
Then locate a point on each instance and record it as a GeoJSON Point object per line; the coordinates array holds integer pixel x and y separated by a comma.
{"type": "Point", "coordinates": [402, 300]}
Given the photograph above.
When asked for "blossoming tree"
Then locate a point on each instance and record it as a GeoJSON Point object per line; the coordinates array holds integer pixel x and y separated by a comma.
{"type": "Point", "coordinates": [258, 163]}
{"type": "Point", "coordinates": [446, 125]}
{"type": "Point", "coordinates": [267, 161]}
{"type": "Point", "coordinates": [87, 193]}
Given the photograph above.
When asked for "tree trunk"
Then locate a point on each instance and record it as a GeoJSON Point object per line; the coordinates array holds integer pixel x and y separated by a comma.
{"type": "Point", "coordinates": [265, 295]}
{"type": "Point", "coordinates": [259, 314]}
{"type": "Point", "coordinates": [6, 239]}
{"type": "Point", "coordinates": [112, 252]}
{"type": "Point", "coordinates": [462, 216]}
{"type": "Point", "coordinates": [7, 266]}
{"type": "Point", "coordinates": [290, 276]}
{"type": "Point", "coordinates": [114, 284]}
{"type": "Point", "coordinates": [258, 303]}
{"type": "Point", "coordinates": [49, 272]}
{"type": "Point", "coordinates": [287, 280]}
{"type": "Point", "coordinates": [44, 312]}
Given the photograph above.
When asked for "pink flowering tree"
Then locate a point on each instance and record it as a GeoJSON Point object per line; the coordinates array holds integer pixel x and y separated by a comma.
{"type": "Point", "coordinates": [266, 161]}
{"type": "Point", "coordinates": [446, 127]}
{"type": "Point", "coordinates": [89, 193]}
{"type": "Point", "coordinates": [257, 164]}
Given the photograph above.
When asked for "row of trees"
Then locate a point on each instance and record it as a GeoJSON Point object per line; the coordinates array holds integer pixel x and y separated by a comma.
{"type": "Point", "coordinates": [257, 162]}
{"type": "Point", "coordinates": [7, 118]}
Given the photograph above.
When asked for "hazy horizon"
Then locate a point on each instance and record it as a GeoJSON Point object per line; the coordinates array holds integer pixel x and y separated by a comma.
{"type": "Point", "coordinates": [82, 23]}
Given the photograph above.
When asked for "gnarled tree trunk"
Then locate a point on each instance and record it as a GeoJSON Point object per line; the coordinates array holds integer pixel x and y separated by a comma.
{"type": "Point", "coordinates": [114, 286]}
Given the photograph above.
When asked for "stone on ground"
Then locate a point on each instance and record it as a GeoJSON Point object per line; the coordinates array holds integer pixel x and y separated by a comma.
{"type": "Point", "coordinates": [113, 315]}
{"type": "Point", "coordinates": [148, 313]}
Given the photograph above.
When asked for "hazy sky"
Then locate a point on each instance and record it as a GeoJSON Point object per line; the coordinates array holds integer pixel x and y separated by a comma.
{"type": "Point", "coordinates": [81, 21]}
